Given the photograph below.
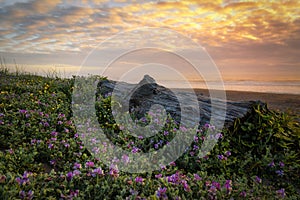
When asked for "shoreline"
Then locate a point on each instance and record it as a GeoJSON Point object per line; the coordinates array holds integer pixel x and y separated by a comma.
{"type": "Point", "coordinates": [279, 102]}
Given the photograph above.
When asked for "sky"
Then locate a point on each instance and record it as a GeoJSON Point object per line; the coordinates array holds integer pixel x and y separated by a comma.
{"type": "Point", "coordinates": [247, 40]}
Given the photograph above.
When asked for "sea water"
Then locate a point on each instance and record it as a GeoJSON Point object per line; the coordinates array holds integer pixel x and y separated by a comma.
{"type": "Point", "coordinates": [278, 87]}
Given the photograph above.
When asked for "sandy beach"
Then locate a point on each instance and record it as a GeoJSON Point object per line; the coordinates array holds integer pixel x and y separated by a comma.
{"type": "Point", "coordinates": [278, 102]}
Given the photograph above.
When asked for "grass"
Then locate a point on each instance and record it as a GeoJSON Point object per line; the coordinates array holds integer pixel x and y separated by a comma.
{"type": "Point", "coordinates": [43, 157]}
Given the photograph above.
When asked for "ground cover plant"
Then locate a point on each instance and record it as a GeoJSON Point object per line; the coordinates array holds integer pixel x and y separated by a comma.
{"type": "Point", "coordinates": [43, 157]}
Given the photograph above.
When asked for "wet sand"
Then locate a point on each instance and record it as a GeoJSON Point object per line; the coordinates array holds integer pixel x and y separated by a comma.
{"type": "Point", "coordinates": [278, 102]}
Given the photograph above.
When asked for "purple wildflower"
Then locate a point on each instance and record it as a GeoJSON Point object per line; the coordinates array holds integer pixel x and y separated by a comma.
{"type": "Point", "coordinates": [73, 194]}
{"type": "Point", "coordinates": [217, 185]}
{"type": "Point", "coordinates": [11, 151]}
{"type": "Point", "coordinates": [140, 137]}
{"type": "Point", "coordinates": [95, 150]}
{"type": "Point", "coordinates": [135, 150]}
{"type": "Point", "coordinates": [174, 178]}
{"type": "Point", "coordinates": [212, 190]}
{"type": "Point", "coordinates": [281, 164]}
{"type": "Point", "coordinates": [89, 164]}
{"type": "Point", "coordinates": [161, 193]}
{"type": "Point", "coordinates": [228, 153]}
{"type": "Point", "coordinates": [33, 141]}
{"type": "Point", "coordinates": [52, 162]}
{"type": "Point", "coordinates": [76, 172]}
{"type": "Point", "coordinates": [77, 166]}
{"type": "Point", "coordinates": [158, 175]}
{"type": "Point", "coordinates": [185, 185]}
{"type": "Point", "coordinates": [281, 193]}
{"type": "Point", "coordinates": [22, 194]}
{"type": "Point", "coordinates": [280, 172]}
{"type": "Point", "coordinates": [50, 146]}
{"type": "Point", "coordinates": [195, 147]}
{"type": "Point", "coordinates": [258, 180]}
{"type": "Point", "coordinates": [24, 179]}
{"type": "Point", "coordinates": [133, 192]}
{"type": "Point", "coordinates": [98, 171]}
{"type": "Point", "coordinates": [243, 194]}
{"type": "Point", "coordinates": [197, 177]}
{"type": "Point", "coordinates": [228, 185]}
{"type": "Point", "coordinates": [272, 164]}
{"type": "Point", "coordinates": [114, 172]}
{"type": "Point", "coordinates": [162, 167]}
{"type": "Point", "coordinates": [125, 159]}
{"type": "Point", "coordinates": [139, 179]}
{"type": "Point", "coordinates": [219, 136]}
{"type": "Point", "coordinates": [183, 129]}
{"type": "Point", "coordinates": [69, 176]}
{"type": "Point", "coordinates": [54, 133]}
{"type": "Point", "coordinates": [220, 157]}
{"type": "Point", "coordinates": [30, 194]}
{"type": "Point", "coordinates": [23, 111]}
{"type": "Point", "coordinates": [196, 139]}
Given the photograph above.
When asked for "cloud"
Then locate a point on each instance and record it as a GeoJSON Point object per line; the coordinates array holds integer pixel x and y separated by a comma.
{"type": "Point", "coordinates": [211, 23]}
{"type": "Point", "coordinates": [235, 33]}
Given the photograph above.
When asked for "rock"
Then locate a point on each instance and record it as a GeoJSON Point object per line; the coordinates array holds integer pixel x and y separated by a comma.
{"type": "Point", "coordinates": [147, 92]}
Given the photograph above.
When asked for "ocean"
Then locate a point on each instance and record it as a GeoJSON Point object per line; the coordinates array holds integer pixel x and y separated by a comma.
{"type": "Point", "coordinates": [278, 87]}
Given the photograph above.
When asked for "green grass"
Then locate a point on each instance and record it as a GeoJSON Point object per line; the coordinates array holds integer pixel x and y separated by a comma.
{"type": "Point", "coordinates": [42, 157]}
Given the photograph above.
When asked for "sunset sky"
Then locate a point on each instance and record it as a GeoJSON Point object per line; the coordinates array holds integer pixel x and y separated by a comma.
{"type": "Point", "coordinates": [248, 40]}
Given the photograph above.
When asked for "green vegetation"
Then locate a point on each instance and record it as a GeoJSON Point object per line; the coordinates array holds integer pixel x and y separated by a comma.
{"type": "Point", "coordinates": [42, 155]}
